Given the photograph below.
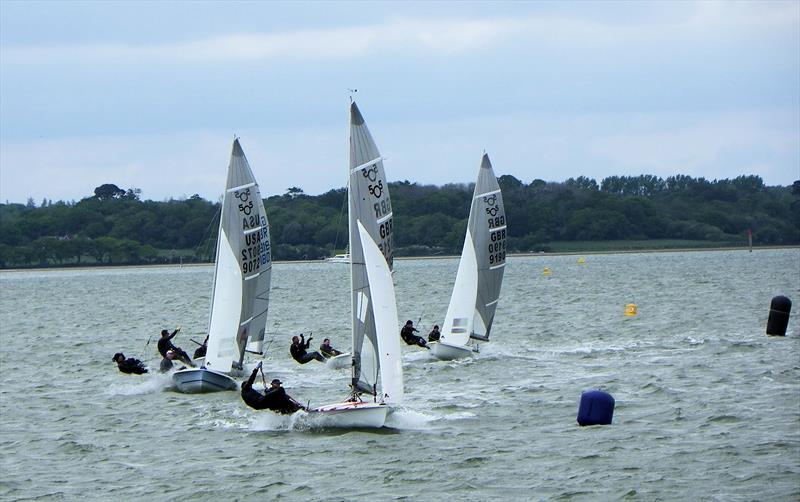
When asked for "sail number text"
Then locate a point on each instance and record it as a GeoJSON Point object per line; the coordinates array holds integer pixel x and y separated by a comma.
{"type": "Point", "coordinates": [497, 246]}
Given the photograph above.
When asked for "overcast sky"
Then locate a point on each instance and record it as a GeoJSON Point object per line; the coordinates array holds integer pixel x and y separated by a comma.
{"type": "Point", "coordinates": [151, 94]}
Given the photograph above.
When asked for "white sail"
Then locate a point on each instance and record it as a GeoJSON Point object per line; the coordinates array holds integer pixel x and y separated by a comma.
{"type": "Point", "coordinates": [384, 308]}
{"type": "Point", "coordinates": [460, 315]}
{"type": "Point", "coordinates": [369, 204]}
{"type": "Point", "coordinates": [483, 259]}
{"type": "Point", "coordinates": [376, 343]}
{"type": "Point", "coordinates": [242, 272]}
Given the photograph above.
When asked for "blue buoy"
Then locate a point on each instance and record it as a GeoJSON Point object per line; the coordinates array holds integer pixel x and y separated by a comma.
{"type": "Point", "coordinates": [778, 320]}
{"type": "Point", "coordinates": [596, 408]}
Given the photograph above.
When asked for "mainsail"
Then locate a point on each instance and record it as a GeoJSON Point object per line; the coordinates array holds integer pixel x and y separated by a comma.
{"type": "Point", "coordinates": [369, 204]}
{"type": "Point", "coordinates": [242, 271]}
{"type": "Point", "coordinates": [483, 260]}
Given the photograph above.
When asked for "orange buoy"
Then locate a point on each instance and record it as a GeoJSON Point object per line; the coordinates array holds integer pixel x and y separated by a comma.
{"type": "Point", "coordinates": [630, 310]}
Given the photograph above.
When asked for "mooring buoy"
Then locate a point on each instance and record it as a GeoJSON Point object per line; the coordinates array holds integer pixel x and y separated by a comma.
{"type": "Point", "coordinates": [596, 408]}
{"type": "Point", "coordinates": [778, 319]}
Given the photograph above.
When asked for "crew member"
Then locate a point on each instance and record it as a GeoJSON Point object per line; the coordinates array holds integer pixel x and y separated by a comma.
{"type": "Point", "coordinates": [166, 363]}
{"type": "Point", "coordinates": [326, 350]}
{"type": "Point", "coordinates": [299, 350]}
{"type": "Point", "coordinates": [201, 350]}
{"type": "Point", "coordinates": [274, 398]}
{"type": "Point", "coordinates": [435, 334]}
{"type": "Point", "coordinates": [129, 365]}
{"type": "Point", "coordinates": [165, 344]}
{"type": "Point", "coordinates": [408, 336]}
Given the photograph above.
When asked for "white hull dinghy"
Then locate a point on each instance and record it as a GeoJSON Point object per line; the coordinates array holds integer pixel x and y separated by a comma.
{"type": "Point", "coordinates": [376, 360]}
{"type": "Point", "coordinates": [339, 362]}
{"type": "Point", "coordinates": [351, 415]}
{"type": "Point", "coordinates": [201, 380]}
{"type": "Point", "coordinates": [242, 276]}
{"type": "Point", "coordinates": [447, 352]}
{"type": "Point", "coordinates": [476, 291]}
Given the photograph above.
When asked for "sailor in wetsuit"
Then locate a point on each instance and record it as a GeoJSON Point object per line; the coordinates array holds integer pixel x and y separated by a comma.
{"type": "Point", "coordinates": [129, 365]}
{"type": "Point", "coordinates": [408, 336]}
{"type": "Point", "coordinates": [274, 398]}
{"type": "Point", "coordinates": [435, 334]}
{"type": "Point", "coordinates": [165, 344]}
{"type": "Point", "coordinates": [201, 350]}
{"type": "Point", "coordinates": [327, 350]}
{"type": "Point", "coordinates": [298, 350]}
{"type": "Point", "coordinates": [166, 363]}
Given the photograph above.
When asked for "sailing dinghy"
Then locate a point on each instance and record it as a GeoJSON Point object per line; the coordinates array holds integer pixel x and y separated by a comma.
{"type": "Point", "coordinates": [376, 354]}
{"type": "Point", "coordinates": [480, 272]}
{"type": "Point", "coordinates": [242, 274]}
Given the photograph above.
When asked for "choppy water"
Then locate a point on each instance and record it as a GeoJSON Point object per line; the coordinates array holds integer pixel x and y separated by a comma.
{"type": "Point", "coordinates": [707, 406]}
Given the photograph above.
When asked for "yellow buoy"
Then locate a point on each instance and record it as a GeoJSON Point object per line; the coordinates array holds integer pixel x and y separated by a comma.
{"type": "Point", "coordinates": [546, 271]}
{"type": "Point", "coordinates": [630, 309]}
{"type": "Point", "coordinates": [581, 261]}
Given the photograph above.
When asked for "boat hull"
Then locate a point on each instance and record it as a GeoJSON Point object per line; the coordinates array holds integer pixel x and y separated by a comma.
{"type": "Point", "coordinates": [352, 415]}
{"type": "Point", "coordinates": [202, 380]}
{"type": "Point", "coordinates": [339, 362]}
{"type": "Point", "coordinates": [339, 258]}
{"type": "Point", "coordinates": [447, 352]}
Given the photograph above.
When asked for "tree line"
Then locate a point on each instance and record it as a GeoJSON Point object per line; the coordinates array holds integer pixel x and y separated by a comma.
{"type": "Point", "coordinates": [114, 226]}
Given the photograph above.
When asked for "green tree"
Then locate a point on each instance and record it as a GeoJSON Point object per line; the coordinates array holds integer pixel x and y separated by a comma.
{"type": "Point", "coordinates": [108, 191]}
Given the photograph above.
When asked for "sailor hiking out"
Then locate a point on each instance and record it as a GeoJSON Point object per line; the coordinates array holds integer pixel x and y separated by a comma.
{"type": "Point", "coordinates": [327, 350]}
{"type": "Point", "coordinates": [274, 398]}
{"type": "Point", "coordinates": [408, 336]}
{"type": "Point", "coordinates": [129, 365]}
{"type": "Point", "coordinates": [299, 350]}
{"type": "Point", "coordinates": [165, 344]}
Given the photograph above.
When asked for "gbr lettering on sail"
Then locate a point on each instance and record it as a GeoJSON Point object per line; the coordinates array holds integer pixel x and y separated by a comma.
{"type": "Point", "coordinates": [382, 207]}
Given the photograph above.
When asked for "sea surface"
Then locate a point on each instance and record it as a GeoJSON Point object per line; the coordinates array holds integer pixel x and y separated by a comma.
{"type": "Point", "coordinates": [707, 405]}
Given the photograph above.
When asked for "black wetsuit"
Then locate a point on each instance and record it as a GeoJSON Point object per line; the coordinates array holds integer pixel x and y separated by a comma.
{"type": "Point", "coordinates": [252, 397]}
{"type": "Point", "coordinates": [274, 399]}
{"type": "Point", "coordinates": [408, 336]}
{"type": "Point", "coordinates": [299, 354]}
{"type": "Point", "coordinates": [434, 335]}
{"type": "Point", "coordinates": [200, 352]}
{"type": "Point", "coordinates": [328, 351]}
{"type": "Point", "coordinates": [165, 344]}
{"type": "Point", "coordinates": [132, 366]}
{"type": "Point", "coordinates": [280, 402]}
{"type": "Point", "coordinates": [166, 365]}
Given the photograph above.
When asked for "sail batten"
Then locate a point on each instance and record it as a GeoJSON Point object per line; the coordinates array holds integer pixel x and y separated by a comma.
{"type": "Point", "coordinates": [241, 187]}
{"type": "Point", "coordinates": [365, 164]}
{"type": "Point", "coordinates": [485, 194]}
{"type": "Point", "coordinates": [254, 230]}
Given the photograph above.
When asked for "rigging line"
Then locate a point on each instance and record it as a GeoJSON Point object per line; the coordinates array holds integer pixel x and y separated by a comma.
{"type": "Point", "coordinates": [205, 238]}
{"type": "Point", "coordinates": [339, 222]}
{"type": "Point", "coordinates": [269, 343]}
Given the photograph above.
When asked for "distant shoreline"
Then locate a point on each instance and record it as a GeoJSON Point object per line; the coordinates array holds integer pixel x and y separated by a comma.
{"type": "Point", "coordinates": [434, 257]}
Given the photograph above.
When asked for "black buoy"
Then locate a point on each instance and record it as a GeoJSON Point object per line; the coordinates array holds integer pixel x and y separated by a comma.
{"type": "Point", "coordinates": [778, 316]}
{"type": "Point", "coordinates": [596, 408]}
